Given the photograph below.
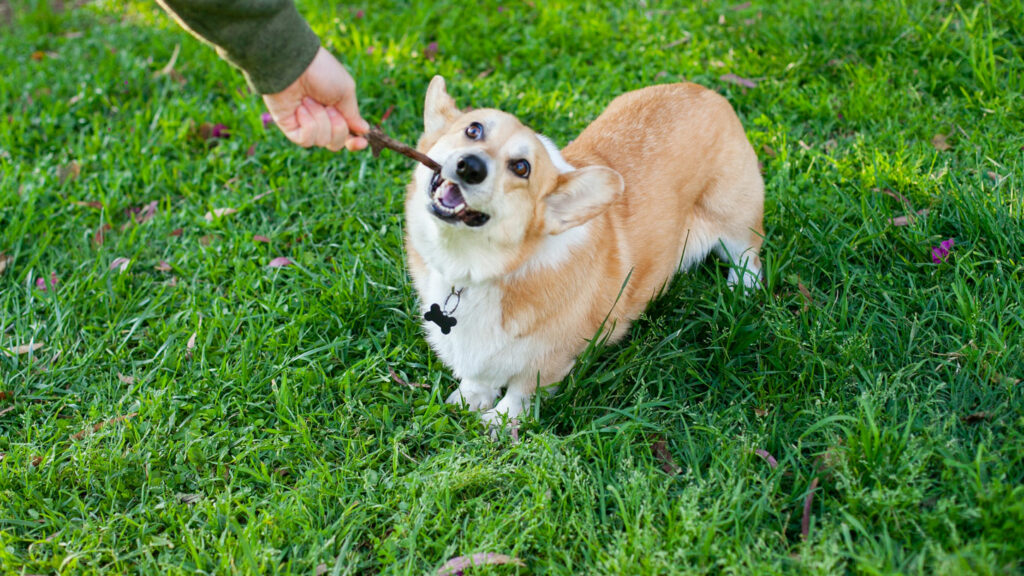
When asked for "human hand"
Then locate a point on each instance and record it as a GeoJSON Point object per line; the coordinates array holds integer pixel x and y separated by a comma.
{"type": "Point", "coordinates": [320, 107]}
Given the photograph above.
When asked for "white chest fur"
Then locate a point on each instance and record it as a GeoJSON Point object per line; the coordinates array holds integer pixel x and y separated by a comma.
{"type": "Point", "coordinates": [477, 348]}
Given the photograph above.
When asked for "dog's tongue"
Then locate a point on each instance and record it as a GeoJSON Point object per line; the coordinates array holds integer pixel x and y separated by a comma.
{"type": "Point", "coordinates": [451, 196]}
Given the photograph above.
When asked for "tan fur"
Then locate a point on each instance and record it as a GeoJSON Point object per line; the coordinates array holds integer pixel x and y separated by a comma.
{"type": "Point", "coordinates": [690, 177]}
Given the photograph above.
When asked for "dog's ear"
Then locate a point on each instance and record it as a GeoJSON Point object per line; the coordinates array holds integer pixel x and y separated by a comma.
{"type": "Point", "coordinates": [579, 196]}
{"type": "Point", "coordinates": [438, 108]}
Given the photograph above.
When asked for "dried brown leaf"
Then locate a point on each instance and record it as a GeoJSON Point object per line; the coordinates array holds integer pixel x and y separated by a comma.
{"type": "Point", "coordinates": [940, 142]}
{"type": "Point", "coordinates": [976, 417]}
{"type": "Point", "coordinates": [100, 235]}
{"type": "Point", "coordinates": [189, 498]}
{"type": "Point", "coordinates": [401, 381]}
{"type": "Point", "coordinates": [738, 80]}
{"type": "Point", "coordinates": [678, 42]}
{"type": "Point", "coordinates": [459, 564]}
{"type": "Point", "coordinates": [892, 194]}
{"type": "Point", "coordinates": [660, 451]}
{"type": "Point", "coordinates": [99, 425]}
{"type": "Point", "coordinates": [89, 204]}
{"type": "Point", "coordinates": [5, 260]}
{"type": "Point", "coordinates": [25, 349]}
{"type": "Point", "coordinates": [125, 379]}
{"type": "Point", "coordinates": [120, 263]}
{"type": "Point", "coordinates": [5, 411]}
{"type": "Point", "coordinates": [805, 293]}
{"type": "Point", "coordinates": [908, 219]}
{"type": "Point", "coordinates": [168, 68]}
{"type": "Point", "coordinates": [218, 213]}
{"type": "Point", "coordinates": [146, 213]}
{"type": "Point", "coordinates": [767, 458]}
{"type": "Point", "coordinates": [69, 171]}
{"type": "Point", "coordinates": [805, 520]}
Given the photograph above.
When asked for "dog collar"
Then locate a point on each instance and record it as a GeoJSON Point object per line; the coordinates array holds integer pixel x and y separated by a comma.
{"type": "Point", "coordinates": [441, 314]}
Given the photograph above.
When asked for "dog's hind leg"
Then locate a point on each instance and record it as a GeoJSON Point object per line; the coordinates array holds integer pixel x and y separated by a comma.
{"type": "Point", "coordinates": [742, 256]}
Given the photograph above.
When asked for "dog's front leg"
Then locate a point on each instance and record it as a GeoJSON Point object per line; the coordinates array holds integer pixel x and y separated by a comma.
{"type": "Point", "coordinates": [515, 402]}
{"type": "Point", "coordinates": [477, 396]}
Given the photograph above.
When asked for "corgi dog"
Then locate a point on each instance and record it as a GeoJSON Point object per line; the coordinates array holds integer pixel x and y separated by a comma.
{"type": "Point", "coordinates": [522, 253]}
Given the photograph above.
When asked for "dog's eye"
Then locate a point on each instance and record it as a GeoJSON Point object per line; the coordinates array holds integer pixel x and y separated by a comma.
{"type": "Point", "coordinates": [475, 131]}
{"type": "Point", "coordinates": [520, 168]}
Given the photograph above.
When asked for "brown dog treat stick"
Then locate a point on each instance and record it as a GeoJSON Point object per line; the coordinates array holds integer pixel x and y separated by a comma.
{"type": "Point", "coordinates": [378, 140]}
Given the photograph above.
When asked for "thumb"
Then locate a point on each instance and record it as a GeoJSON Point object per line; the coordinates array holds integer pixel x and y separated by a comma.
{"type": "Point", "coordinates": [349, 109]}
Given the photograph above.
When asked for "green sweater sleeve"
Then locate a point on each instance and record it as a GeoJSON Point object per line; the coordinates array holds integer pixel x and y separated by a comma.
{"type": "Point", "coordinates": [267, 39]}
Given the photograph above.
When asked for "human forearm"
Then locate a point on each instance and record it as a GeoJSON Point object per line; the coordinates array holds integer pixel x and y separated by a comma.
{"type": "Point", "coordinates": [267, 39]}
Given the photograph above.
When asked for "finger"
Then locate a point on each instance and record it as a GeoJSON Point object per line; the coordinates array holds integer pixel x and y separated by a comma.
{"type": "Point", "coordinates": [304, 135]}
{"type": "Point", "coordinates": [356, 143]}
{"type": "Point", "coordinates": [321, 121]}
{"type": "Point", "coordinates": [339, 129]}
{"type": "Point", "coordinates": [349, 108]}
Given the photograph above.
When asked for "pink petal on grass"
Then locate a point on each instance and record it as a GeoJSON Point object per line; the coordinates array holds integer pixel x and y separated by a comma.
{"type": "Point", "coordinates": [163, 266]}
{"type": "Point", "coordinates": [260, 238]}
{"type": "Point", "coordinates": [279, 262]}
{"type": "Point", "coordinates": [767, 458]}
{"type": "Point", "coordinates": [120, 262]}
{"type": "Point", "coordinates": [940, 252]}
{"type": "Point", "coordinates": [42, 285]}
{"type": "Point", "coordinates": [267, 119]}
{"type": "Point", "coordinates": [430, 52]}
{"type": "Point", "coordinates": [458, 564]}
{"type": "Point", "coordinates": [738, 80]}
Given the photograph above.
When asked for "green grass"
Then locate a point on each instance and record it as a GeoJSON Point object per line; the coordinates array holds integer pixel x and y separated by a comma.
{"type": "Point", "coordinates": [278, 442]}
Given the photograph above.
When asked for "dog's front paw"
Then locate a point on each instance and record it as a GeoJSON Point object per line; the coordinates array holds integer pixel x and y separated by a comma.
{"type": "Point", "coordinates": [475, 399]}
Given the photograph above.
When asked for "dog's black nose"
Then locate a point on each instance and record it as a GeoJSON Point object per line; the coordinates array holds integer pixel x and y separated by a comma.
{"type": "Point", "coordinates": [471, 169]}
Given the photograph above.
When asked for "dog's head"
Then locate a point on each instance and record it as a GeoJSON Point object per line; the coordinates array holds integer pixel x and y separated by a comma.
{"type": "Point", "coordinates": [502, 193]}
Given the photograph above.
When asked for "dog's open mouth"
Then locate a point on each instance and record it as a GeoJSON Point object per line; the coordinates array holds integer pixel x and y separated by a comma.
{"type": "Point", "coordinates": [449, 204]}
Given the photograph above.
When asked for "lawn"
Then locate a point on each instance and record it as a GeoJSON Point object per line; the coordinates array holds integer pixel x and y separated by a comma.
{"type": "Point", "coordinates": [172, 403]}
